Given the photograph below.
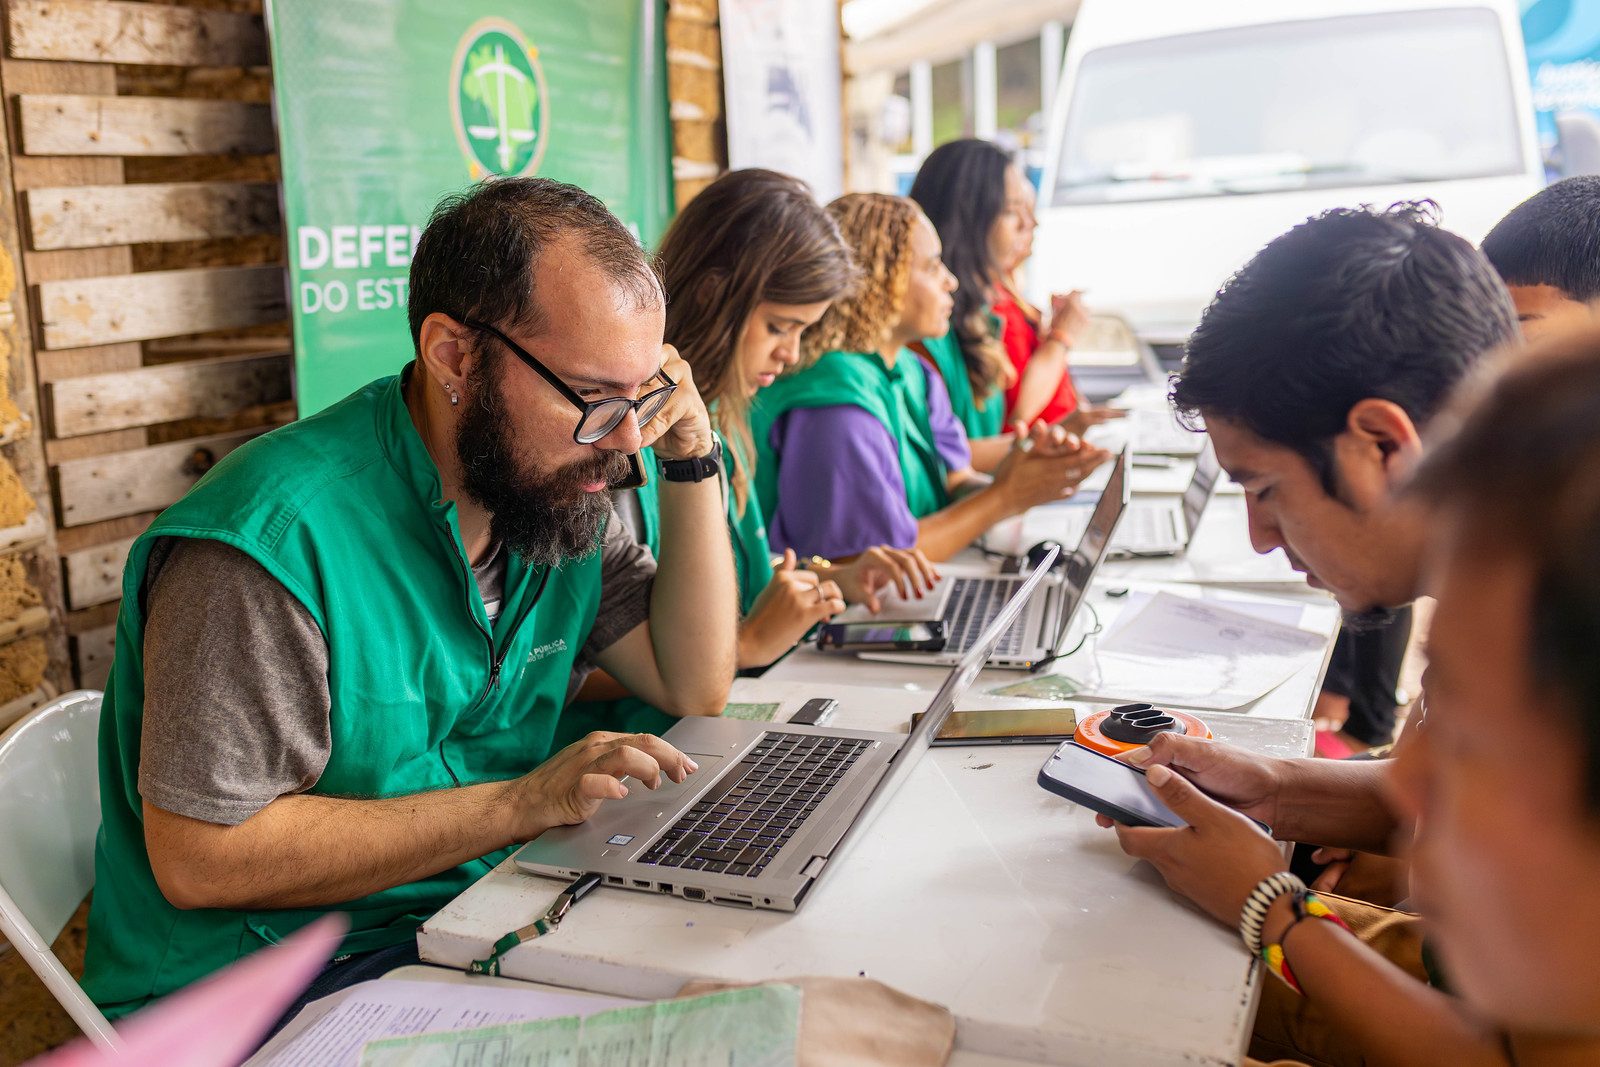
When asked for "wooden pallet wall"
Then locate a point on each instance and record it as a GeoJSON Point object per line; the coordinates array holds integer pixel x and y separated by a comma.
{"type": "Point", "coordinates": [147, 321]}
{"type": "Point", "coordinates": [140, 151]}
{"type": "Point", "coordinates": [694, 90]}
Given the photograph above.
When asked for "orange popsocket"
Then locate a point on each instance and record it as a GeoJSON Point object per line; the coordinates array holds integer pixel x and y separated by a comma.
{"type": "Point", "coordinates": [1133, 725]}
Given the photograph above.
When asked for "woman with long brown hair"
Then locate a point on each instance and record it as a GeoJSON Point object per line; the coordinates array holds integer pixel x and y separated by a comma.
{"type": "Point", "coordinates": [748, 266]}
{"type": "Point", "coordinates": [1003, 362]}
{"type": "Point", "coordinates": [861, 446]}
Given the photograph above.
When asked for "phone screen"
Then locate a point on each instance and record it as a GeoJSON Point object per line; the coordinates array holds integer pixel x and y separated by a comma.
{"type": "Point", "coordinates": [875, 633]}
{"type": "Point", "coordinates": [1097, 777]}
{"type": "Point", "coordinates": [635, 476]}
{"type": "Point", "coordinates": [1030, 724]}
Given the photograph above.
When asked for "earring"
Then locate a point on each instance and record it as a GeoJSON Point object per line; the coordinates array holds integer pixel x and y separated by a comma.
{"type": "Point", "coordinates": [454, 398]}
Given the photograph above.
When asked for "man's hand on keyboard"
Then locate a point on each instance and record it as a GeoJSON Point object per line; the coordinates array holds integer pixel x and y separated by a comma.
{"type": "Point", "coordinates": [570, 786]}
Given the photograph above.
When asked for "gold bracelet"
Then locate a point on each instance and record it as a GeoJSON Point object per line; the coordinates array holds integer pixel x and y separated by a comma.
{"type": "Point", "coordinates": [807, 563]}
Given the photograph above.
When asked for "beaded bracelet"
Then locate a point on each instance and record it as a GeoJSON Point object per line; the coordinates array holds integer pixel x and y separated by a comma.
{"type": "Point", "coordinates": [1254, 914]}
{"type": "Point", "coordinates": [1307, 905]}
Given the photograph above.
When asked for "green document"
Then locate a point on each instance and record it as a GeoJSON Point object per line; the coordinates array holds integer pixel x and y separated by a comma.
{"type": "Point", "coordinates": [757, 1027]}
{"type": "Point", "coordinates": [1044, 687]}
{"type": "Point", "coordinates": [753, 712]}
{"type": "Point", "coordinates": [384, 106]}
{"type": "Point", "coordinates": [540, 1043]}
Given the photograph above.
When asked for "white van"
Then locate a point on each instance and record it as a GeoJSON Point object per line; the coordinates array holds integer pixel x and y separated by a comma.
{"type": "Point", "coordinates": [1187, 134]}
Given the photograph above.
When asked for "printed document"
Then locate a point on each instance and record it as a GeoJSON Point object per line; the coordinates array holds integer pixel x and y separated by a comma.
{"type": "Point", "coordinates": [331, 1032]}
{"type": "Point", "coordinates": [1193, 653]}
{"type": "Point", "coordinates": [755, 1027]}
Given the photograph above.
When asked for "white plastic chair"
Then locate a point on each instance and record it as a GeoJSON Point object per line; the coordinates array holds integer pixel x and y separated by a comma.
{"type": "Point", "coordinates": [49, 816]}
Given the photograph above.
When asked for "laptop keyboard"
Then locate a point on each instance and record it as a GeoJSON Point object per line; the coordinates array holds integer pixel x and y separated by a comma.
{"type": "Point", "coordinates": [973, 603]}
{"type": "Point", "coordinates": [754, 809]}
{"type": "Point", "coordinates": [1147, 526]}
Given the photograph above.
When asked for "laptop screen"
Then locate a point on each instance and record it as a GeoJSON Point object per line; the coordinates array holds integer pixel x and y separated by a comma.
{"type": "Point", "coordinates": [1206, 472]}
{"type": "Point", "coordinates": [955, 686]}
{"type": "Point", "coordinates": [972, 661]}
{"type": "Point", "coordinates": [1091, 550]}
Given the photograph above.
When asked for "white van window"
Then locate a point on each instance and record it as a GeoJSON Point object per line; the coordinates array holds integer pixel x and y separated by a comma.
{"type": "Point", "coordinates": [1352, 101]}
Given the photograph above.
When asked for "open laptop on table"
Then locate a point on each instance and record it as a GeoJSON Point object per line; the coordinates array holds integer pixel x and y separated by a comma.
{"type": "Point", "coordinates": [772, 805]}
{"type": "Point", "coordinates": [966, 602]}
{"type": "Point", "coordinates": [1158, 432]}
{"type": "Point", "coordinates": [1158, 524]}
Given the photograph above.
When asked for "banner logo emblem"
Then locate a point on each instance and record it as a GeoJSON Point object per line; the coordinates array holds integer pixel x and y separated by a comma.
{"type": "Point", "coordinates": [499, 101]}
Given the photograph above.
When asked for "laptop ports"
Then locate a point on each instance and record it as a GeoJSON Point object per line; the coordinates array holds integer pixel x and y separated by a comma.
{"type": "Point", "coordinates": [693, 894]}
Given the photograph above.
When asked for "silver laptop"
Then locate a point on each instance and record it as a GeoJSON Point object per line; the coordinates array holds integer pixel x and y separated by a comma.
{"type": "Point", "coordinates": [967, 603]}
{"type": "Point", "coordinates": [1158, 432]}
{"type": "Point", "coordinates": [1159, 524]}
{"type": "Point", "coordinates": [772, 806]}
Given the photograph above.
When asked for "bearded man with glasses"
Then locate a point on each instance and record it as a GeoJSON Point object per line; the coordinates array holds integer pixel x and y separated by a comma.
{"type": "Point", "coordinates": [341, 657]}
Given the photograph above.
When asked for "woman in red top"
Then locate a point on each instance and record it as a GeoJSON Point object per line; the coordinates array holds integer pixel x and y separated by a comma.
{"type": "Point", "coordinates": [982, 206]}
{"type": "Point", "coordinates": [1039, 351]}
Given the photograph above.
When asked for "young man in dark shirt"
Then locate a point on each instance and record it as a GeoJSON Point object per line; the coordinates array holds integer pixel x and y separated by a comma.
{"type": "Point", "coordinates": [1317, 369]}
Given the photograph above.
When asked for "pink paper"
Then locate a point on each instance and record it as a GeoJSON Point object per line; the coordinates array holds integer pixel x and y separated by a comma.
{"type": "Point", "coordinates": [221, 1020]}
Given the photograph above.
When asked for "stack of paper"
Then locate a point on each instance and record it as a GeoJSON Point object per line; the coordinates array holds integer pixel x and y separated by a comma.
{"type": "Point", "coordinates": [1192, 653]}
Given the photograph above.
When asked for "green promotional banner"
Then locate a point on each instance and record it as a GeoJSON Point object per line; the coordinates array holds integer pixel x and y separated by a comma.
{"type": "Point", "coordinates": [385, 106]}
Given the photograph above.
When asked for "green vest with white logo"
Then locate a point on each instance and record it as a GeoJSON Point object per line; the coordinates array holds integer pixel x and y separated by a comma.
{"type": "Point", "coordinates": [343, 509]}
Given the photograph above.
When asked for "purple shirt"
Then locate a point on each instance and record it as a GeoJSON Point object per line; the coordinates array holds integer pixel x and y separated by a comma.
{"type": "Point", "coordinates": [845, 493]}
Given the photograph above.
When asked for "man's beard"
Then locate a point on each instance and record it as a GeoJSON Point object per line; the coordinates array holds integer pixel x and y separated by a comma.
{"type": "Point", "coordinates": [546, 517]}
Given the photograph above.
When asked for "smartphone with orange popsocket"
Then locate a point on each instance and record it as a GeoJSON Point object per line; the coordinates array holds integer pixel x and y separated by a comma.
{"type": "Point", "coordinates": [1131, 726]}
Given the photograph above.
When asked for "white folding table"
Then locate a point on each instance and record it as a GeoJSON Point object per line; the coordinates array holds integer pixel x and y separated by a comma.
{"type": "Point", "coordinates": [974, 887]}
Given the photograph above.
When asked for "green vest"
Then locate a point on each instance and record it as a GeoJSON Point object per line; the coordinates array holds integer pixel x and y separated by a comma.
{"type": "Point", "coordinates": [753, 567]}
{"type": "Point", "coordinates": [897, 397]}
{"type": "Point", "coordinates": [342, 508]}
{"type": "Point", "coordinates": [987, 419]}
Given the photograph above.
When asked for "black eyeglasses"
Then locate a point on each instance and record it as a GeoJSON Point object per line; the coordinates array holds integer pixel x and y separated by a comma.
{"type": "Point", "coordinates": [599, 417]}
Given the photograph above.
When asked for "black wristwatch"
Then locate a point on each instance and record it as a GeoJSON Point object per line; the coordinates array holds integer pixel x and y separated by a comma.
{"type": "Point", "coordinates": [697, 469]}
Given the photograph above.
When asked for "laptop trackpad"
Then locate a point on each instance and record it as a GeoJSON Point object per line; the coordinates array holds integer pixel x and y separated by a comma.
{"type": "Point", "coordinates": [629, 824]}
{"type": "Point", "coordinates": [709, 764]}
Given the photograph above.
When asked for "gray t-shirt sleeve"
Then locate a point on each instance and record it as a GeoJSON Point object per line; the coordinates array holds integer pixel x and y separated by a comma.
{"type": "Point", "coordinates": [237, 705]}
{"type": "Point", "coordinates": [627, 573]}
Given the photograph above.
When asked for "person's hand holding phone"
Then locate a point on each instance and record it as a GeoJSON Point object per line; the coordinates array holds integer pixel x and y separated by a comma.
{"type": "Point", "coordinates": [792, 603]}
{"type": "Point", "coordinates": [1241, 779]}
{"type": "Point", "coordinates": [1216, 860]}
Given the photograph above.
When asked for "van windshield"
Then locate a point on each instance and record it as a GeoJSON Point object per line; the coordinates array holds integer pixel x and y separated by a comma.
{"type": "Point", "coordinates": [1414, 96]}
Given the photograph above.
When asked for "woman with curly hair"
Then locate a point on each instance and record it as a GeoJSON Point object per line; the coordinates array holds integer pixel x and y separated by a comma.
{"type": "Point", "coordinates": [748, 266]}
{"type": "Point", "coordinates": [860, 447]}
{"type": "Point", "coordinates": [1001, 362]}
